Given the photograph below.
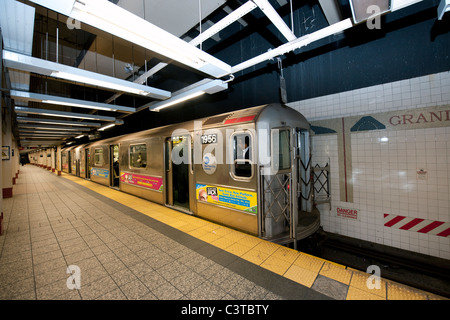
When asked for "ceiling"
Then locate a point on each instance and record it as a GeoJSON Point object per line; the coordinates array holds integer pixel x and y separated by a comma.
{"type": "Point", "coordinates": [74, 68]}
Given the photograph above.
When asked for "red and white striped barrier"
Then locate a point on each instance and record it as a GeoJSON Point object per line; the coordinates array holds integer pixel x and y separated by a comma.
{"type": "Point", "coordinates": [437, 228]}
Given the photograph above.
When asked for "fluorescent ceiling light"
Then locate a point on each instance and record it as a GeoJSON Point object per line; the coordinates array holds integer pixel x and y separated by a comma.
{"type": "Point", "coordinates": [50, 132]}
{"type": "Point", "coordinates": [37, 97]}
{"type": "Point", "coordinates": [80, 136]}
{"type": "Point", "coordinates": [56, 113]}
{"type": "Point", "coordinates": [178, 99]}
{"type": "Point", "coordinates": [115, 20]}
{"type": "Point", "coordinates": [47, 136]}
{"type": "Point", "coordinates": [58, 122]}
{"type": "Point", "coordinates": [26, 63]}
{"type": "Point", "coordinates": [106, 127]}
{"type": "Point", "coordinates": [51, 128]}
{"type": "Point", "coordinates": [41, 135]}
{"type": "Point", "coordinates": [204, 86]}
{"type": "Point", "coordinates": [39, 142]}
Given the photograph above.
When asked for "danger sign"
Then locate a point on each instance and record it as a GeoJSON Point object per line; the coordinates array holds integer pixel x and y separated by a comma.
{"type": "Point", "coordinates": [347, 213]}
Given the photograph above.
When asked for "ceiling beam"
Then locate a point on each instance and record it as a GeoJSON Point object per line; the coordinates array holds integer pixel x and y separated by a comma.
{"type": "Point", "coordinates": [295, 44]}
{"type": "Point", "coordinates": [275, 18]}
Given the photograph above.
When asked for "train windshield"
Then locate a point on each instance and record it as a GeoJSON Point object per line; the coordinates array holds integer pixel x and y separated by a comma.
{"type": "Point", "coordinates": [281, 149]}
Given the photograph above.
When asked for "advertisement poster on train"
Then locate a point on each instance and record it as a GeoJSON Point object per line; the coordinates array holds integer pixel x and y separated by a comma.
{"type": "Point", "coordinates": [228, 197]}
{"type": "Point", "coordinates": [98, 172]}
{"type": "Point", "coordinates": [149, 182]}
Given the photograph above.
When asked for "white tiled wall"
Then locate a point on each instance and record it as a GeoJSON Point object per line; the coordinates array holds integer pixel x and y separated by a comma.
{"type": "Point", "coordinates": [384, 172]}
{"type": "Point", "coordinates": [384, 179]}
{"type": "Point", "coordinates": [426, 91]}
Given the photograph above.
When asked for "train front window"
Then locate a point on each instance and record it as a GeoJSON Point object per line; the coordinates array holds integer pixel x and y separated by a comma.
{"type": "Point", "coordinates": [138, 156]}
{"type": "Point", "coordinates": [281, 149]}
{"type": "Point", "coordinates": [242, 155]}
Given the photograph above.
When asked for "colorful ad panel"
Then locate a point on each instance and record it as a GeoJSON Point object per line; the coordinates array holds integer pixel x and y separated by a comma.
{"type": "Point", "coordinates": [149, 182]}
{"type": "Point", "coordinates": [98, 172]}
{"type": "Point", "coordinates": [228, 197]}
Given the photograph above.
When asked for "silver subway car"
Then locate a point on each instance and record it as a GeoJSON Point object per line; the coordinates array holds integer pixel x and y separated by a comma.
{"type": "Point", "coordinates": [247, 169]}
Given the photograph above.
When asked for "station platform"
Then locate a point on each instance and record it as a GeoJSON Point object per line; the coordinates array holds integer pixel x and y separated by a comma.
{"type": "Point", "coordinates": [127, 248]}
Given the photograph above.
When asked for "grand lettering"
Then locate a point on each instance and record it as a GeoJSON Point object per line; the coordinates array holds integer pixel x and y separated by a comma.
{"type": "Point", "coordinates": [423, 117]}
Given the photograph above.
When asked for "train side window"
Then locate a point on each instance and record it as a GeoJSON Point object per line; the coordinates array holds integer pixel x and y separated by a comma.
{"type": "Point", "coordinates": [138, 155]}
{"type": "Point", "coordinates": [242, 155]}
{"type": "Point", "coordinates": [281, 149]}
{"type": "Point", "coordinates": [98, 157]}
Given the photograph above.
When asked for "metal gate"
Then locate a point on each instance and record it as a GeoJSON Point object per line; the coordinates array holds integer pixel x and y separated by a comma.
{"type": "Point", "coordinates": [276, 203]}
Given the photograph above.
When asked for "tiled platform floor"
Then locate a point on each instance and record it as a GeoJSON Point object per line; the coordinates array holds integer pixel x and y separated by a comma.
{"type": "Point", "coordinates": [129, 248]}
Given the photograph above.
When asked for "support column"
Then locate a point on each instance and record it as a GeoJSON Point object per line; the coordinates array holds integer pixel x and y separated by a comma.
{"type": "Point", "coordinates": [1, 121]}
{"type": "Point", "coordinates": [7, 167]}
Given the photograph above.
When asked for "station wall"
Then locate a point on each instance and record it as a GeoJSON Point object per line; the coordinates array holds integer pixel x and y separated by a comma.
{"type": "Point", "coordinates": [388, 147]}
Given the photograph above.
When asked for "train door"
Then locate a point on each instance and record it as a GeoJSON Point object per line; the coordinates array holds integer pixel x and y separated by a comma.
{"type": "Point", "coordinates": [114, 163]}
{"type": "Point", "coordinates": [69, 161]}
{"type": "Point", "coordinates": [178, 176]}
{"type": "Point", "coordinates": [278, 218]}
{"type": "Point", "coordinates": [303, 172]}
{"type": "Point", "coordinates": [77, 163]}
{"type": "Point", "coordinates": [82, 163]}
{"type": "Point", "coordinates": [88, 163]}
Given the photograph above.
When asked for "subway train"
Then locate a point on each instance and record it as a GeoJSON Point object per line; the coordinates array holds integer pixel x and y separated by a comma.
{"type": "Point", "coordinates": [248, 169]}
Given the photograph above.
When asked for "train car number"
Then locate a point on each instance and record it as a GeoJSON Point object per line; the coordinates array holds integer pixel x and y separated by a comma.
{"type": "Point", "coordinates": [209, 138]}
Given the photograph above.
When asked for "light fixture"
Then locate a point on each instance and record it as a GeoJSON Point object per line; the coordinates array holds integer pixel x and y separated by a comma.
{"type": "Point", "coordinates": [57, 113]}
{"type": "Point", "coordinates": [51, 128]}
{"type": "Point", "coordinates": [26, 63]}
{"type": "Point", "coordinates": [44, 98]}
{"type": "Point", "coordinates": [178, 99]}
{"type": "Point", "coordinates": [106, 127]}
{"type": "Point", "coordinates": [42, 135]}
{"type": "Point", "coordinates": [49, 132]}
{"type": "Point", "coordinates": [204, 86]}
{"type": "Point", "coordinates": [39, 142]}
{"type": "Point", "coordinates": [115, 20]}
{"type": "Point", "coordinates": [80, 136]}
{"type": "Point", "coordinates": [58, 122]}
